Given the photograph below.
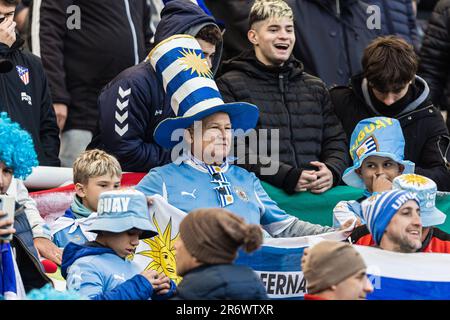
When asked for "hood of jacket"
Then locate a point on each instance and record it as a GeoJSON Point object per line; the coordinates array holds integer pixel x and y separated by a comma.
{"type": "Point", "coordinates": [185, 17]}
{"type": "Point", "coordinates": [249, 64]}
{"type": "Point", "coordinates": [361, 89]}
{"type": "Point", "coordinates": [75, 251]}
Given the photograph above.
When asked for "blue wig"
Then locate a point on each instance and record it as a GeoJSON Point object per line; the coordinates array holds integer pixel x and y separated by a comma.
{"type": "Point", "coordinates": [16, 148]}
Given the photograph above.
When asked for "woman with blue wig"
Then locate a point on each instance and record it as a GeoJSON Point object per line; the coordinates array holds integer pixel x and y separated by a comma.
{"type": "Point", "coordinates": [17, 158]}
{"type": "Point", "coordinates": [202, 177]}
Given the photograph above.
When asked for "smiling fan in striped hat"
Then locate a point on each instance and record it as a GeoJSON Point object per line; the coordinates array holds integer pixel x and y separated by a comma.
{"type": "Point", "coordinates": [202, 177]}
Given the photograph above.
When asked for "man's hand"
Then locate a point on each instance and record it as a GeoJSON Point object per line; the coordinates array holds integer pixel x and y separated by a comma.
{"type": "Point", "coordinates": [4, 223]}
{"type": "Point", "coordinates": [48, 250]}
{"type": "Point", "coordinates": [350, 223]}
{"type": "Point", "coordinates": [8, 32]}
{"type": "Point", "coordinates": [381, 183]}
{"type": "Point", "coordinates": [61, 114]}
{"type": "Point", "coordinates": [305, 180]}
{"type": "Point", "coordinates": [324, 178]}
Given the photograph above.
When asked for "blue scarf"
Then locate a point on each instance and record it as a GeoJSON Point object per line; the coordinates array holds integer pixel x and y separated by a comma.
{"type": "Point", "coordinates": [78, 209]}
{"type": "Point", "coordinates": [223, 187]}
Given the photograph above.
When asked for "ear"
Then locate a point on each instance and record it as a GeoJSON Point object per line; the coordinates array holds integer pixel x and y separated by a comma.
{"type": "Point", "coordinates": [252, 37]}
{"type": "Point", "coordinates": [358, 172]}
{"type": "Point", "coordinates": [401, 168]}
{"type": "Point", "coordinates": [80, 190]}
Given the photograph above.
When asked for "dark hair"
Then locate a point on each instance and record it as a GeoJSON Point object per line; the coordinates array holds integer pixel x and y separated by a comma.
{"type": "Point", "coordinates": [210, 33]}
{"type": "Point", "coordinates": [389, 63]}
{"type": "Point", "coordinates": [10, 2]}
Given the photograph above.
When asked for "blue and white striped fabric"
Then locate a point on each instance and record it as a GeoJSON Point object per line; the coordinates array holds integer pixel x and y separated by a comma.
{"type": "Point", "coordinates": [193, 94]}
{"type": "Point", "coordinates": [8, 285]}
{"type": "Point", "coordinates": [407, 276]}
{"type": "Point", "coordinates": [185, 75]}
{"type": "Point", "coordinates": [394, 276]}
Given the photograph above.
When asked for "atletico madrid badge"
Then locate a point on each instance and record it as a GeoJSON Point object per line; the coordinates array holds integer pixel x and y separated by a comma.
{"type": "Point", "coordinates": [23, 74]}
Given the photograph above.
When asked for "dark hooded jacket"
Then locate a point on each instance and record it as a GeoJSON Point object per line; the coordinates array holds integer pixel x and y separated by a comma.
{"type": "Point", "coordinates": [421, 122]}
{"type": "Point", "coordinates": [28, 102]}
{"type": "Point", "coordinates": [297, 104]}
{"type": "Point", "coordinates": [134, 103]}
{"type": "Point", "coordinates": [331, 36]}
{"type": "Point", "coordinates": [80, 60]}
{"type": "Point", "coordinates": [221, 282]}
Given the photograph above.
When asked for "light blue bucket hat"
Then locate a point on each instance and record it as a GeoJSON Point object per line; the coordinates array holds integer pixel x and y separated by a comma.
{"type": "Point", "coordinates": [123, 210]}
{"type": "Point", "coordinates": [377, 136]}
{"type": "Point", "coordinates": [425, 189]}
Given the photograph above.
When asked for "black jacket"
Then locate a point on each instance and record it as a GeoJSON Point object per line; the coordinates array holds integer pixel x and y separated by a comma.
{"type": "Point", "coordinates": [297, 104]}
{"type": "Point", "coordinates": [113, 35]}
{"type": "Point", "coordinates": [435, 55]}
{"type": "Point", "coordinates": [221, 282]}
{"type": "Point", "coordinates": [421, 122]}
{"type": "Point", "coordinates": [331, 36]}
{"type": "Point", "coordinates": [28, 101]}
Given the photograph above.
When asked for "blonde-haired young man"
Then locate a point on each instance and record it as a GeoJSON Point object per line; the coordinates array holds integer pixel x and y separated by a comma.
{"type": "Point", "coordinates": [94, 172]}
{"type": "Point", "coordinates": [312, 153]}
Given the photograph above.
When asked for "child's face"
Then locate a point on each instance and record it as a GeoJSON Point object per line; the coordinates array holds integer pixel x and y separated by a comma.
{"type": "Point", "coordinates": [6, 175]}
{"type": "Point", "coordinates": [123, 243]}
{"type": "Point", "coordinates": [90, 192]}
{"type": "Point", "coordinates": [375, 166]}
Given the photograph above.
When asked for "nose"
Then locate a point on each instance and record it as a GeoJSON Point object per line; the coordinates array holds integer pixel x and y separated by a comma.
{"type": "Point", "coordinates": [389, 99]}
{"type": "Point", "coordinates": [135, 241]}
{"type": "Point", "coordinates": [209, 60]}
{"type": "Point", "coordinates": [368, 287]}
{"type": "Point", "coordinates": [416, 220]}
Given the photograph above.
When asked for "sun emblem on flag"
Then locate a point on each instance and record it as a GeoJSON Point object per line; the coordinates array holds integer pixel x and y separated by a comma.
{"type": "Point", "coordinates": [415, 179]}
{"type": "Point", "coordinates": [162, 252]}
{"type": "Point", "coordinates": [195, 63]}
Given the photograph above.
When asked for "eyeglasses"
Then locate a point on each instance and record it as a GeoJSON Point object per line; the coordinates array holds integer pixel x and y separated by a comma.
{"type": "Point", "coordinates": [443, 145]}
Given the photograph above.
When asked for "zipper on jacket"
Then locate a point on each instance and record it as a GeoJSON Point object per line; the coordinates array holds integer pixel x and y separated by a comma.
{"type": "Point", "coordinates": [283, 100]}
{"type": "Point", "coordinates": [37, 264]}
{"type": "Point", "coordinates": [133, 32]}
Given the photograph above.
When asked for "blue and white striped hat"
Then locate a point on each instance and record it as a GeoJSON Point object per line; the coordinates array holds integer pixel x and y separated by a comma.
{"type": "Point", "coordinates": [379, 209]}
{"type": "Point", "coordinates": [377, 136]}
{"type": "Point", "coordinates": [193, 93]}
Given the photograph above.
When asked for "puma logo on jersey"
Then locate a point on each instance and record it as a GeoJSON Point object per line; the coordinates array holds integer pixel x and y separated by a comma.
{"type": "Point", "coordinates": [184, 193]}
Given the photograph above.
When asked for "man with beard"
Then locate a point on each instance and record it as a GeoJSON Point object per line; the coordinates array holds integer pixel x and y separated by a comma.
{"type": "Point", "coordinates": [393, 219]}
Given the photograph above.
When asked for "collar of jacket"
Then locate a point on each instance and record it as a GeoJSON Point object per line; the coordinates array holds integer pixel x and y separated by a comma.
{"type": "Point", "coordinates": [5, 50]}
{"type": "Point", "coordinates": [248, 63]}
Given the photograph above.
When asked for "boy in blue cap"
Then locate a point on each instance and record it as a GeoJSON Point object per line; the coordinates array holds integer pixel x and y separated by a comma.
{"type": "Point", "coordinates": [377, 149]}
{"type": "Point", "coordinates": [99, 269]}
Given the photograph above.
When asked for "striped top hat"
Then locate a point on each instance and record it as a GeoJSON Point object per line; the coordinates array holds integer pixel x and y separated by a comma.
{"type": "Point", "coordinates": [188, 82]}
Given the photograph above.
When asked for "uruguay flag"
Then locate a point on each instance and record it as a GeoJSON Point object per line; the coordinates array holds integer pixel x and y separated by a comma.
{"type": "Point", "coordinates": [407, 276]}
